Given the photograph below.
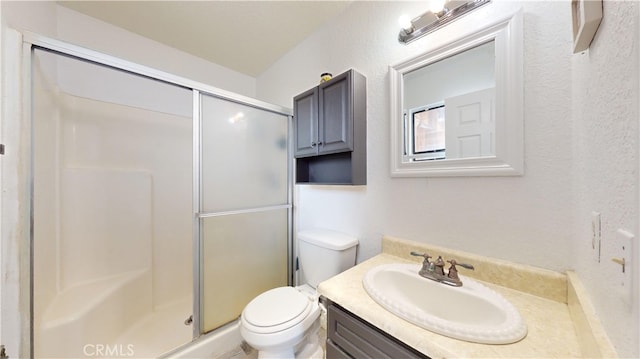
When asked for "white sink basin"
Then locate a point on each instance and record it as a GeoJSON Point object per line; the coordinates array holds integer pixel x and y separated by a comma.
{"type": "Point", "coordinates": [472, 312]}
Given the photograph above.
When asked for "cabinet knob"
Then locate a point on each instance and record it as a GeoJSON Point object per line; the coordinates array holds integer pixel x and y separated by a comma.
{"type": "Point", "coordinates": [313, 144]}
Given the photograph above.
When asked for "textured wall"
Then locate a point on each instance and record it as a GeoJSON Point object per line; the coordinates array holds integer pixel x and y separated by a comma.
{"type": "Point", "coordinates": [524, 219]}
{"type": "Point", "coordinates": [605, 144]}
{"type": "Point", "coordinates": [574, 161]}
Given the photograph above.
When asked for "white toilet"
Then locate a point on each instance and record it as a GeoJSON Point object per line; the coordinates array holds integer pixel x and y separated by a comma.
{"type": "Point", "coordinates": [283, 322]}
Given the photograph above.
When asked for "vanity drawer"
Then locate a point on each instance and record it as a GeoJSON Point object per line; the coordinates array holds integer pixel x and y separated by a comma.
{"type": "Point", "coordinates": [335, 352]}
{"type": "Point", "coordinates": [349, 336]}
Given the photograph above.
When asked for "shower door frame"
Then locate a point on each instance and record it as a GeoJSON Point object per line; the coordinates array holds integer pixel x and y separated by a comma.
{"type": "Point", "coordinates": [31, 41]}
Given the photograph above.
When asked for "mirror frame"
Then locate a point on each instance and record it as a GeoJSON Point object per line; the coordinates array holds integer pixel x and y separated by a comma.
{"type": "Point", "coordinates": [509, 114]}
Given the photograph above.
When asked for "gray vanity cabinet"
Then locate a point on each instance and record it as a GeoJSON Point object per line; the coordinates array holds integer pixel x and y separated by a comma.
{"type": "Point", "coordinates": [330, 131]}
{"type": "Point", "coordinates": [348, 336]}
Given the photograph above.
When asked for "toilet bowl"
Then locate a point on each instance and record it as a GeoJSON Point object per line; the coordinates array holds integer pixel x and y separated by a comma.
{"type": "Point", "coordinates": [277, 321]}
{"type": "Point", "coordinates": [284, 322]}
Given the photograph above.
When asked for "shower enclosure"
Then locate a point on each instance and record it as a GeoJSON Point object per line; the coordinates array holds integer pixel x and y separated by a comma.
{"type": "Point", "coordinates": [160, 206]}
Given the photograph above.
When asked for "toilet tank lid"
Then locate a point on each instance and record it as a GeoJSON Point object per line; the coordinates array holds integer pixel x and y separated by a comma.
{"type": "Point", "coordinates": [328, 239]}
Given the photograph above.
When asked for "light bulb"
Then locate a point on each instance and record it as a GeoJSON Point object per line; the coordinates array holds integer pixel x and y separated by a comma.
{"type": "Point", "coordinates": [436, 6]}
{"type": "Point", "coordinates": [405, 22]}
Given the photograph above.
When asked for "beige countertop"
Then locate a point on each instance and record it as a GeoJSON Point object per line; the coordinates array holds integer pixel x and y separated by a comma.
{"type": "Point", "coordinates": [550, 323]}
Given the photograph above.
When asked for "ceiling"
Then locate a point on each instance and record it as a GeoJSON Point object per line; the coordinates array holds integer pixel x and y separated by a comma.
{"type": "Point", "coordinates": [245, 36]}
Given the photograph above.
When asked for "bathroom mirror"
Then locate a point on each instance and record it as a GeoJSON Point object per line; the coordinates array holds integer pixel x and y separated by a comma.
{"type": "Point", "coordinates": [456, 110]}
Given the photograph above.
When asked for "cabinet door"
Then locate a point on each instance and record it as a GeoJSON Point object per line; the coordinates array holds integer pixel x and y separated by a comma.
{"type": "Point", "coordinates": [357, 338]}
{"type": "Point", "coordinates": [336, 115]}
{"type": "Point", "coordinates": [305, 109]}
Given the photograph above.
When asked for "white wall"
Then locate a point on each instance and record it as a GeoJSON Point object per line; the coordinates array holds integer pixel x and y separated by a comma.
{"type": "Point", "coordinates": [605, 143]}
{"type": "Point", "coordinates": [528, 226]}
{"type": "Point", "coordinates": [538, 219]}
{"type": "Point", "coordinates": [47, 18]}
{"type": "Point", "coordinates": [37, 16]}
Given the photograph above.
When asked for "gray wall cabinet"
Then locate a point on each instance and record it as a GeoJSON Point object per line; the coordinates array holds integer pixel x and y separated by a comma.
{"type": "Point", "coordinates": [349, 336]}
{"type": "Point", "coordinates": [330, 131]}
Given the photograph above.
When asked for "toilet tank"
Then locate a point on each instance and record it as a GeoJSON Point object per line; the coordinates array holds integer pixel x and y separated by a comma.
{"type": "Point", "coordinates": [324, 253]}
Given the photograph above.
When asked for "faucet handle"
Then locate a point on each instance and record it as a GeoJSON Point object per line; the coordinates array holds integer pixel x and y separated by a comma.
{"type": "Point", "coordinates": [463, 265]}
{"type": "Point", "coordinates": [453, 272]}
{"type": "Point", "coordinates": [424, 255]}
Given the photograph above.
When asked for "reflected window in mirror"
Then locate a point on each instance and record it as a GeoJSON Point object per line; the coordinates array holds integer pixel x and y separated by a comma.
{"type": "Point", "coordinates": [425, 129]}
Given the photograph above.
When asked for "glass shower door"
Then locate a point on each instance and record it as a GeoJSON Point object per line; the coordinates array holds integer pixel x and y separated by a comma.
{"type": "Point", "coordinates": [112, 210]}
{"type": "Point", "coordinates": [244, 206]}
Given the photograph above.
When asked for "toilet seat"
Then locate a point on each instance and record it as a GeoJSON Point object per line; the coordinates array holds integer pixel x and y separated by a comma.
{"type": "Point", "coordinates": [276, 310]}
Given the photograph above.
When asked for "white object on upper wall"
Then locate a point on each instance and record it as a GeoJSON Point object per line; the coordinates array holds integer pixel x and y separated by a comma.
{"type": "Point", "coordinates": [586, 15]}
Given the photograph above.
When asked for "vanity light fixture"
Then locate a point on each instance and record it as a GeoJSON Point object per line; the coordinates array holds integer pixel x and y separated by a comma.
{"type": "Point", "coordinates": [441, 13]}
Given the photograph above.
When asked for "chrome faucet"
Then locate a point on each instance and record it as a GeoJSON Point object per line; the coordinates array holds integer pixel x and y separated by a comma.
{"type": "Point", "coordinates": [435, 270]}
